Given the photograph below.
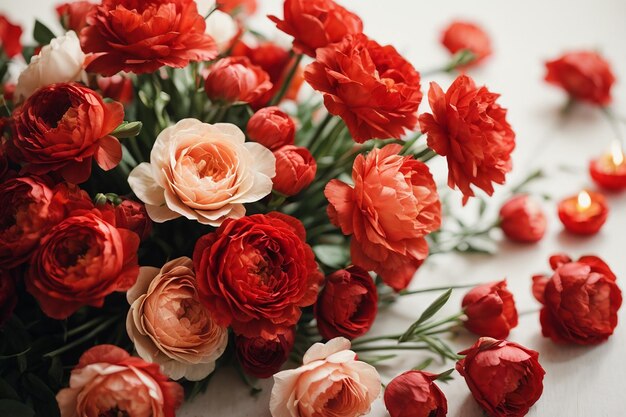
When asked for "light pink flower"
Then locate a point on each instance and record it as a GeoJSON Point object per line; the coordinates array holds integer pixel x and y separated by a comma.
{"type": "Point", "coordinates": [331, 382]}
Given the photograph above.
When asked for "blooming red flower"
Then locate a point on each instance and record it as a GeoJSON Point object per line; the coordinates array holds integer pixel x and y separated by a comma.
{"type": "Point", "coordinates": [10, 35]}
{"type": "Point", "coordinates": [584, 222]}
{"type": "Point", "coordinates": [295, 169]}
{"type": "Point", "coordinates": [580, 300]}
{"type": "Point", "coordinates": [255, 273]}
{"type": "Point", "coordinates": [584, 75]}
{"type": "Point", "coordinates": [347, 305]}
{"type": "Point", "coordinates": [393, 205]}
{"type": "Point", "coordinates": [109, 382]}
{"type": "Point", "coordinates": [141, 36]}
{"type": "Point", "coordinates": [522, 219]}
{"type": "Point", "coordinates": [316, 23]}
{"type": "Point", "coordinates": [272, 128]}
{"type": "Point", "coordinates": [371, 87]}
{"type": "Point", "coordinates": [490, 310]}
{"type": "Point", "coordinates": [62, 127]}
{"type": "Point", "coordinates": [236, 6]}
{"type": "Point", "coordinates": [236, 80]}
{"type": "Point", "coordinates": [80, 261]}
{"type": "Point", "coordinates": [8, 296]}
{"type": "Point", "coordinates": [467, 36]}
{"type": "Point", "coordinates": [469, 128]}
{"type": "Point", "coordinates": [261, 357]}
{"type": "Point", "coordinates": [415, 394]}
{"type": "Point", "coordinates": [117, 87]}
{"type": "Point", "coordinates": [74, 15]}
{"type": "Point", "coordinates": [132, 215]}
{"type": "Point", "coordinates": [505, 378]}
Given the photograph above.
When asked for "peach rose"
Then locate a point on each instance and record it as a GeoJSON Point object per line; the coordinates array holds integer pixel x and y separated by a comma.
{"type": "Point", "coordinates": [203, 172]}
{"type": "Point", "coordinates": [330, 382]}
{"type": "Point", "coordinates": [169, 325]}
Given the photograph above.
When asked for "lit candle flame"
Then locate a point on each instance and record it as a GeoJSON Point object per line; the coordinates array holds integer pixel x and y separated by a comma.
{"type": "Point", "coordinates": [617, 154]}
{"type": "Point", "coordinates": [584, 200]}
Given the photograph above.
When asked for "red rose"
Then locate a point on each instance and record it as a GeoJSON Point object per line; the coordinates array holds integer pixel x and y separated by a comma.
{"type": "Point", "coordinates": [142, 36]}
{"type": "Point", "coordinates": [415, 394]}
{"type": "Point", "coordinates": [255, 273]}
{"type": "Point", "coordinates": [505, 378]}
{"type": "Point", "coordinates": [132, 215]}
{"type": "Point", "coordinates": [394, 204]}
{"type": "Point", "coordinates": [490, 310]}
{"type": "Point", "coordinates": [74, 15]}
{"type": "Point", "coordinates": [80, 261]}
{"type": "Point", "coordinates": [470, 129]}
{"type": "Point", "coordinates": [580, 300]}
{"type": "Point", "coordinates": [262, 357]}
{"type": "Point", "coordinates": [62, 127]}
{"type": "Point", "coordinates": [8, 296]}
{"type": "Point", "coordinates": [585, 75]}
{"type": "Point", "coordinates": [236, 80]}
{"type": "Point", "coordinates": [272, 128]}
{"type": "Point", "coordinates": [295, 169]}
{"type": "Point", "coordinates": [347, 305]}
{"type": "Point", "coordinates": [316, 23]}
{"type": "Point", "coordinates": [237, 6]}
{"type": "Point", "coordinates": [584, 222]}
{"type": "Point", "coordinates": [522, 219]}
{"type": "Point", "coordinates": [10, 35]}
{"type": "Point", "coordinates": [4, 159]}
{"type": "Point", "coordinates": [26, 216]}
{"type": "Point", "coordinates": [467, 36]}
{"type": "Point", "coordinates": [371, 87]}
{"type": "Point", "coordinates": [117, 87]}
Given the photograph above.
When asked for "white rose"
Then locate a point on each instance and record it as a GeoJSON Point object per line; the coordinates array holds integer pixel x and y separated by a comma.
{"type": "Point", "coordinates": [60, 61]}
{"type": "Point", "coordinates": [222, 28]}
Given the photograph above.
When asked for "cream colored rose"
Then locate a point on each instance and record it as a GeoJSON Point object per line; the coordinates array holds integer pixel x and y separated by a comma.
{"type": "Point", "coordinates": [169, 325]}
{"type": "Point", "coordinates": [222, 28]}
{"type": "Point", "coordinates": [331, 382]}
{"type": "Point", "coordinates": [60, 61]}
{"type": "Point", "coordinates": [203, 172]}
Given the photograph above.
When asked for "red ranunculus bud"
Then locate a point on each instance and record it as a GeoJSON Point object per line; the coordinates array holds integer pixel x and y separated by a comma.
{"type": "Point", "coordinates": [247, 7]}
{"type": "Point", "coordinates": [8, 297]}
{"type": "Point", "coordinates": [415, 394]}
{"type": "Point", "coordinates": [584, 75]}
{"type": "Point", "coordinates": [73, 15]}
{"type": "Point", "coordinates": [272, 128]}
{"type": "Point", "coordinates": [580, 300]}
{"type": "Point", "coordinates": [490, 310]}
{"type": "Point", "coordinates": [261, 357]}
{"type": "Point", "coordinates": [465, 35]}
{"type": "Point", "coordinates": [522, 219]}
{"type": "Point", "coordinates": [295, 169]}
{"type": "Point", "coordinates": [236, 80]}
{"type": "Point", "coordinates": [117, 87]}
{"type": "Point", "coordinates": [132, 215]}
{"type": "Point", "coordinates": [10, 35]}
{"type": "Point", "coordinates": [347, 305]}
{"type": "Point", "coordinates": [505, 378]}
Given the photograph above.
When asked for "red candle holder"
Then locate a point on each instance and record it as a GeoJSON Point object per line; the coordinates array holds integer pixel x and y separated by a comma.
{"type": "Point", "coordinates": [585, 213]}
{"type": "Point", "coordinates": [609, 170]}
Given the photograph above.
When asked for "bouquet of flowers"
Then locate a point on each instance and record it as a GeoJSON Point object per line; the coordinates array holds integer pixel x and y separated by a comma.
{"type": "Point", "coordinates": [175, 199]}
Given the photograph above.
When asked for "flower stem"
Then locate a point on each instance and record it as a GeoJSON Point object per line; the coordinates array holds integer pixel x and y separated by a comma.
{"type": "Point", "coordinates": [392, 347]}
{"type": "Point", "coordinates": [83, 339]}
{"type": "Point", "coordinates": [437, 289]}
{"type": "Point", "coordinates": [285, 87]}
{"type": "Point", "coordinates": [313, 143]}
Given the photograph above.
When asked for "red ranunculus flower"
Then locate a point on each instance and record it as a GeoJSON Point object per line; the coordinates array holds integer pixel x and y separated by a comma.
{"type": "Point", "coordinates": [490, 310]}
{"type": "Point", "coordinates": [295, 169]}
{"type": "Point", "coordinates": [4, 159]}
{"type": "Point", "coordinates": [272, 128]}
{"type": "Point", "coordinates": [132, 215]}
{"type": "Point", "coordinates": [469, 128]}
{"type": "Point", "coordinates": [316, 23]}
{"type": "Point", "coordinates": [236, 80]}
{"type": "Point", "coordinates": [580, 300]}
{"type": "Point", "coordinates": [117, 87]}
{"type": "Point", "coordinates": [10, 35]}
{"type": "Point", "coordinates": [584, 75]}
{"type": "Point", "coordinates": [62, 127]}
{"type": "Point", "coordinates": [8, 296]}
{"type": "Point", "coordinates": [415, 394]}
{"type": "Point", "coordinates": [141, 36]}
{"type": "Point", "coordinates": [255, 273]}
{"type": "Point", "coordinates": [80, 261]}
{"type": "Point", "coordinates": [371, 87]}
{"type": "Point", "coordinates": [73, 15]}
{"type": "Point", "coordinates": [505, 378]}
{"type": "Point", "coordinates": [347, 305]}
{"type": "Point", "coordinates": [236, 6]}
{"type": "Point", "coordinates": [262, 357]}
{"type": "Point", "coordinates": [465, 35]}
{"type": "Point", "coordinates": [393, 205]}
{"type": "Point", "coordinates": [522, 219]}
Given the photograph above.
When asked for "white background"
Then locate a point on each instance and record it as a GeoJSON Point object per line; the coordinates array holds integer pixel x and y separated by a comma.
{"type": "Point", "coordinates": [580, 381]}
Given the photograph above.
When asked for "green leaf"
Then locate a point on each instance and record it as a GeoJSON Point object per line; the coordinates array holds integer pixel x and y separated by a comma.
{"type": "Point", "coordinates": [15, 408]}
{"type": "Point", "coordinates": [423, 365]}
{"type": "Point", "coordinates": [334, 256]}
{"type": "Point", "coordinates": [44, 399]}
{"type": "Point", "coordinates": [430, 311]}
{"type": "Point", "coordinates": [42, 34]}
{"type": "Point", "coordinates": [445, 376]}
{"type": "Point", "coordinates": [127, 130]}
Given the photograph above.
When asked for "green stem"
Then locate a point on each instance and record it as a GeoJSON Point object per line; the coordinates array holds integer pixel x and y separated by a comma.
{"type": "Point", "coordinates": [437, 289]}
{"type": "Point", "coordinates": [420, 330]}
{"type": "Point", "coordinates": [426, 155]}
{"type": "Point", "coordinates": [287, 83]}
{"type": "Point", "coordinates": [375, 339]}
{"type": "Point", "coordinates": [82, 339]}
{"type": "Point", "coordinates": [392, 347]}
{"type": "Point", "coordinates": [614, 124]}
{"type": "Point", "coordinates": [318, 132]}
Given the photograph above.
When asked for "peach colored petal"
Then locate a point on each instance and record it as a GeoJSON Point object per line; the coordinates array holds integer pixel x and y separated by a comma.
{"type": "Point", "coordinates": [320, 351]}
{"type": "Point", "coordinates": [146, 275]}
{"type": "Point", "coordinates": [141, 181]}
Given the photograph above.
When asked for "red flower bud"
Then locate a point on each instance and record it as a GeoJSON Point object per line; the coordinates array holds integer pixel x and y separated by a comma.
{"type": "Point", "coordinates": [522, 219]}
{"type": "Point", "coordinates": [414, 394]}
{"type": "Point", "coordinates": [236, 80]}
{"type": "Point", "coordinates": [465, 35]}
{"type": "Point", "coordinates": [272, 128]}
{"type": "Point", "coordinates": [262, 357]}
{"type": "Point", "coordinates": [295, 169]}
{"type": "Point", "coordinates": [74, 15]}
{"type": "Point", "coordinates": [10, 35]}
{"type": "Point", "coordinates": [490, 310]}
{"type": "Point", "coordinates": [117, 87]}
{"type": "Point", "coordinates": [132, 215]}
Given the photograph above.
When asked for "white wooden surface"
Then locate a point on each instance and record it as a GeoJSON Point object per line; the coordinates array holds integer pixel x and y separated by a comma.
{"type": "Point", "coordinates": [580, 381]}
